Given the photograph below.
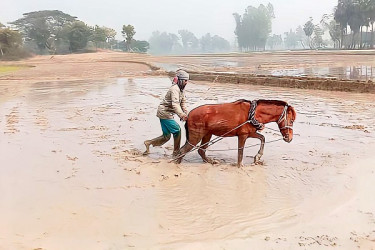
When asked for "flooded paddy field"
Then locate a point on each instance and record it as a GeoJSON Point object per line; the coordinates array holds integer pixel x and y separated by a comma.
{"type": "Point", "coordinates": [72, 174]}
{"type": "Point", "coordinates": [345, 65]}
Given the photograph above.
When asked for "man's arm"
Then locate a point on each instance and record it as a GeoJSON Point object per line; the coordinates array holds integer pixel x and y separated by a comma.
{"type": "Point", "coordinates": [183, 104]}
{"type": "Point", "coordinates": [175, 97]}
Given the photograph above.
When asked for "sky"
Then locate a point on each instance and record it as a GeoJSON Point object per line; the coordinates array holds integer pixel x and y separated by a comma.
{"type": "Point", "coordinates": [198, 16]}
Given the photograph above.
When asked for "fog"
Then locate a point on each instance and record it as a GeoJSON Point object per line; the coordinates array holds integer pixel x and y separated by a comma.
{"type": "Point", "coordinates": [197, 16]}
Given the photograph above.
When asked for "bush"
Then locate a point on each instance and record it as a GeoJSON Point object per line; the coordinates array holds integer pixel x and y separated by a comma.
{"type": "Point", "coordinates": [14, 54]}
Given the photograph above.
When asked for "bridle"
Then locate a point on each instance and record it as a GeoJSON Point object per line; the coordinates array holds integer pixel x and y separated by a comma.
{"type": "Point", "coordinates": [284, 117]}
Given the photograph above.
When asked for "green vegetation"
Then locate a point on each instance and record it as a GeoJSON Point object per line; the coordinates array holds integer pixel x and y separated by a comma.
{"type": "Point", "coordinates": [254, 27]}
{"type": "Point", "coordinates": [350, 26]}
{"type": "Point", "coordinates": [169, 43]}
{"type": "Point", "coordinates": [128, 33]}
{"type": "Point", "coordinates": [9, 68]}
{"type": "Point", "coordinates": [11, 46]}
{"type": "Point", "coordinates": [355, 15]}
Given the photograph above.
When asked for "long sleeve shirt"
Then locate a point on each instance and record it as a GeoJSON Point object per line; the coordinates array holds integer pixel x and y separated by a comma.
{"type": "Point", "coordinates": [174, 102]}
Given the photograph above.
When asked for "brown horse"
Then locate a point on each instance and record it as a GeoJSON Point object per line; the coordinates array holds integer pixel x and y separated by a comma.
{"type": "Point", "coordinates": [241, 118]}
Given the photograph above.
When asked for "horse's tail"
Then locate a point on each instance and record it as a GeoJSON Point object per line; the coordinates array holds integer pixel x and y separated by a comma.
{"type": "Point", "coordinates": [187, 130]}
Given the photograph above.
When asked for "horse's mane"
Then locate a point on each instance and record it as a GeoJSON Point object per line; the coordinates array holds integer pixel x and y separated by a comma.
{"type": "Point", "coordinates": [243, 100]}
{"type": "Point", "coordinates": [275, 102]}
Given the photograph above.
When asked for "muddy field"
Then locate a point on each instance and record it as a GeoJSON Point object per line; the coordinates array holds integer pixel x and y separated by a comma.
{"type": "Point", "coordinates": [72, 174]}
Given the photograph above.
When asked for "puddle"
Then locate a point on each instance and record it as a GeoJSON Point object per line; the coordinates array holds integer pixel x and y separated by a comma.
{"type": "Point", "coordinates": [363, 72]}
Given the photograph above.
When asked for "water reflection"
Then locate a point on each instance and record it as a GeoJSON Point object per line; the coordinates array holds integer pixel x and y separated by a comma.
{"type": "Point", "coordinates": [363, 73]}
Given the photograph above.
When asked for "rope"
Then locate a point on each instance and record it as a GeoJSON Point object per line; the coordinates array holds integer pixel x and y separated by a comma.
{"type": "Point", "coordinates": [219, 138]}
{"type": "Point", "coordinates": [253, 145]}
{"type": "Point", "coordinates": [279, 131]}
{"type": "Point", "coordinates": [209, 143]}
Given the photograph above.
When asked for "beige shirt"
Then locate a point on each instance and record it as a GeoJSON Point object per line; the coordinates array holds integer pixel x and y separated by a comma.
{"type": "Point", "coordinates": [174, 102]}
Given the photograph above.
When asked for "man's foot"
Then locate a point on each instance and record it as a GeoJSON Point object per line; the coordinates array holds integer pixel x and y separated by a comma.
{"type": "Point", "coordinates": [147, 144]}
{"type": "Point", "coordinates": [176, 153]}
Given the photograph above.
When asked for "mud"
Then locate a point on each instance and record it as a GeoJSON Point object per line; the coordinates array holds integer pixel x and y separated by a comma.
{"type": "Point", "coordinates": [287, 81]}
{"type": "Point", "coordinates": [72, 174]}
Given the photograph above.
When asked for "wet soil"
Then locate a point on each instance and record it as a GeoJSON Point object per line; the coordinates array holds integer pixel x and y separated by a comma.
{"type": "Point", "coordinates": [72, 173]}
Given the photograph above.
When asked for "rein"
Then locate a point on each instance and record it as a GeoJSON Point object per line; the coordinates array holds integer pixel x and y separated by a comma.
{"type": "Point", "coordinates": [209, 143]}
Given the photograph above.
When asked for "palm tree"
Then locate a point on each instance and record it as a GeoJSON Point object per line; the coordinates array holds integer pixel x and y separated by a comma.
{"type": "Point", "coordinates": [309, 30]}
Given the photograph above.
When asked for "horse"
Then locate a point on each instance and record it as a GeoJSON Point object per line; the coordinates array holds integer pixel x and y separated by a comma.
{"type": "Point", "coordinates": [241, 118]}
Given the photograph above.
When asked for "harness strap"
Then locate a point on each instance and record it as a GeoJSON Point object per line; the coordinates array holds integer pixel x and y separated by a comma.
{"type": "Point", "coordinates": [284, 117]}
{"type": "Point", "coordinates": [251, 117]}
{"type": "Point", "coordinates": [283, 114]}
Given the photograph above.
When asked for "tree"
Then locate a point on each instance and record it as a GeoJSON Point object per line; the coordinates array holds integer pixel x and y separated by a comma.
{"type": "Point", "coordinates": [219, 44]}
{"type": "Point", "coordinates": [77, 34]}
{"type": "Point", "coordinates": [274, 40]}
{"type": "Point", "coordinates": [110, 35]}
{"type": "Point", "coordinates": [140, 46]}
{"type": "Point", "coordinates": [301, 36]}
{"type": "Point", "coordinates": [309, 30]}
{"type": "Point", "coordinates": [162, 43]}
{"type": "Point", "coordinates": [206, 43]}
{"type": "Point", "coordinates": [213, 43]}
{"type": "Point", "coordinates": [189, 40]}
{"type": "Point", "coordinates": [98, 36]}
{"type": "Point", "coordinates": [291, 39]}
{"type": "Point", "coordinates": [317, 40]}
{"type": "Point", "coordinates": [128, 33]}
{"type": "Point", "coordinates": [254, 27]}
{"type": "Point", "coordinates": [371, 15]}
{"type": "Point", "coordinates": [41, 26]}
{"type": "Point", "coordinates": [328, 23]}
{"type": "Point", "coordinates": [10, 43]}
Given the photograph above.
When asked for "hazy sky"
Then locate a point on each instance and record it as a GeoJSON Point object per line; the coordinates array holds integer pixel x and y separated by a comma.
{"type": "Point", "coordinates": [198, 16]}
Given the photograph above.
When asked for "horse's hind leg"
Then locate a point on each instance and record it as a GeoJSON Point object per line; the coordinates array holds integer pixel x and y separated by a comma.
{"type": "Point", "coordinates": [193, 141]}
{"type": "Point", "coordinates": [202, 149]}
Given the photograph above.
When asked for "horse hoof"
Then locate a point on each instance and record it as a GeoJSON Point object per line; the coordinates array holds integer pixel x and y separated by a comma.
{"type": "Point", "coordinates": [257, 158]}
{"type": "Point", "coordinates": [177, 160]}
{"type": "Point", "coordinates": [212, 161]}
{"type": "Point", "coordinates": [238, 165]}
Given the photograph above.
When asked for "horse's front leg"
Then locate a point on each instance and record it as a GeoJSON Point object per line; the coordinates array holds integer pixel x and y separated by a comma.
{"type": "Point", "coordinates": [262, 141]}
{"type": "Point", "coordinates": [241, 145]}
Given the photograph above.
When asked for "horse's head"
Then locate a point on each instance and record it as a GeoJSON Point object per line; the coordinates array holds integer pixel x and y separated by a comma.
{"type": "Point", "coordinates": [285, 123]}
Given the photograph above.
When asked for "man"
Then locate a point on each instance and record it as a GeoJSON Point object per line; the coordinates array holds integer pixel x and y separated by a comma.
{"type": "Point", "coordinates": [174, 102]}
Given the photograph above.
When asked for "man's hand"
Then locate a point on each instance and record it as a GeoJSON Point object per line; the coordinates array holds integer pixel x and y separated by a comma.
{"type": "Point", "coordinates": [184, 118]}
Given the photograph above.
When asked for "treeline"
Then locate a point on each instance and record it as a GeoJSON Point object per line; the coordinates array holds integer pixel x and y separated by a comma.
{"type": "Point", "coordinates": [55, 32]}
{"type": "Point", "coordinates": [350, 26]}
{"type": "Point", "coordinates": [186, 43]}
{"type": "Point", "coordinates": [351, 18]}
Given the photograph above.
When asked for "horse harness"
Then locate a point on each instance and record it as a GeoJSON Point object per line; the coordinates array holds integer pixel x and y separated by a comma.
{"type": "Point", "coordinates": [284, 117]}
{"type": "Point", "coordinates": [251, 118]}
